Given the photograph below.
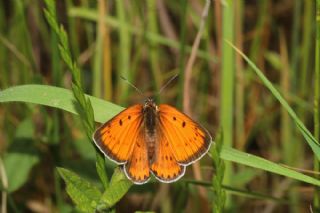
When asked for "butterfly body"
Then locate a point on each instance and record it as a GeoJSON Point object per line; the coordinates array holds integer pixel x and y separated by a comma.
{"type": "Point", "coordinates": [150, 113]}
{"type": "Point", "coordinates": [152, 139]}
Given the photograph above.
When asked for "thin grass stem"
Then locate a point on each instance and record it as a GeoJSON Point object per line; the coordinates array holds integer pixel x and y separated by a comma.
{"type": "Point", "coordinates": [316, 100]}
{"type": "Point", "coordinates": [227, 87]}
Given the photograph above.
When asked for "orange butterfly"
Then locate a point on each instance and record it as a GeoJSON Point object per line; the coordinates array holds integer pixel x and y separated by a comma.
{"type": "Point", "coordinates": [152, 139]}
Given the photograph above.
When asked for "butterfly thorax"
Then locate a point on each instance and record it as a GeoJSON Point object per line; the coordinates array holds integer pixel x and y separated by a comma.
{"type": "Point", "coordinates": [150, 112]}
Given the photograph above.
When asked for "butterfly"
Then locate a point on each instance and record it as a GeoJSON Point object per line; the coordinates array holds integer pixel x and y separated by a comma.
{"type": "Point", "coordinates": [149, 139]}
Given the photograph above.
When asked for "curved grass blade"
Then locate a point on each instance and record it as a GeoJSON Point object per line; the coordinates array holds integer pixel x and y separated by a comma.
{"type": "Point", "coordinates": [313, 143]}
{"type": "Point", "coordinates": [247, 159]}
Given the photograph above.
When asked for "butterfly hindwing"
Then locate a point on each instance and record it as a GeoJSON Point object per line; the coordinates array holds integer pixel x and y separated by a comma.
{"type": "Point", "coordinates": [165, 167]}
{"type": "Point", "coordinates": [137, 168]}
{"type": "Point", "coordinates": [187, 139]}
{"type": "Point", "coordinates": [116, 137]}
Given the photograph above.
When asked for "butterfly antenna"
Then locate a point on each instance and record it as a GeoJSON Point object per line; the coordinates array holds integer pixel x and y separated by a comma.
{"type": "Point", "coordinates": [168, 82]}
{"type": "Point", "coordinates": [128, 82]}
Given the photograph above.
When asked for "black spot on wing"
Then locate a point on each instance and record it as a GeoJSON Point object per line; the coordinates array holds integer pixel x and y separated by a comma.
{"type": "Point", "coordinates": [183, 124]}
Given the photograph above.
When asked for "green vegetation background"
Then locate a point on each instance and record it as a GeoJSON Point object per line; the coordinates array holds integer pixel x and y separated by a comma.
{"type": "Point", "coordinates": [266, 102]}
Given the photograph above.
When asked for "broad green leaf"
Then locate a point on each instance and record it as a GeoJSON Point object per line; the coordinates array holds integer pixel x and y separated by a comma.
{"type": "Point", "coordinates": [21, 156]}
{"type": "Point", "coordinates": [313, 143]}
{"type": "Point", "coordinates": [118, 187]}
{"type": "Point", "coordinates": [62, 99]}
{"type": "Point", "coordinates": [18, 166]}
{"type": "Point", "coordinates": [58, 98]}
{"type": "Point", "coordinates": [85, 195]}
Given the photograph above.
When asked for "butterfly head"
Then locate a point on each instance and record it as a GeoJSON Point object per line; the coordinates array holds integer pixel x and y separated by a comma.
{"type": "Point", "coordinates": [150, 104]}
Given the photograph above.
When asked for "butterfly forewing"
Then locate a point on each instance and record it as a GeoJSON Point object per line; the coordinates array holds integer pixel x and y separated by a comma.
{"type": "Point", "coordinates": [187, 139]}
{"type": "Point", "coordinates": [116, 137]}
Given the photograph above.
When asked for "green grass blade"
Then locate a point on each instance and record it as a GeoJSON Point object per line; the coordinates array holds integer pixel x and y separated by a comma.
{"type": "Point", "coordinates": [316, 100]}
{"type": "Point", "coordinates": [313, 143]}
{"type": "Point", "coordinates": [247, 159]}
{"type": "Point", "coordinates": [63, 99]}
{"type": "Point", "coordinates": [153, 47]}
{"type": "Point", "coordinates": [227, 88]}
{"type": "Point", "coordinates": [123, 62]}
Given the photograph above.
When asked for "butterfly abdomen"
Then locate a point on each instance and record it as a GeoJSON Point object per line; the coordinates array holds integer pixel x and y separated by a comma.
{"type": "Point", "coordinates": [150, 139]}
{"type": "Point", "coordinates": [150, 119]}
